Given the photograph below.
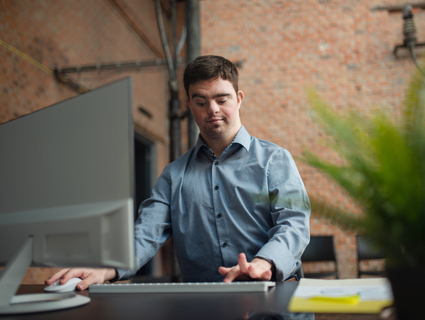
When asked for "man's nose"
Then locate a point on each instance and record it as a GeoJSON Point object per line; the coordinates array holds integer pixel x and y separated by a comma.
{"type": "Point", "coordinates": [213, 107]}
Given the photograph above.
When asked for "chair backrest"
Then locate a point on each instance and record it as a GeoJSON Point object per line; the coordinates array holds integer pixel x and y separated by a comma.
{"type": "Point", "coordinates": [320, 248]}
{"type": "Point", "coordinates": [366, 250]}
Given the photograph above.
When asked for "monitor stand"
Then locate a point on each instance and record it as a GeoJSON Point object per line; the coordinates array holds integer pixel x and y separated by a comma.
{"type": "Point", "coordinates": [10, 279]}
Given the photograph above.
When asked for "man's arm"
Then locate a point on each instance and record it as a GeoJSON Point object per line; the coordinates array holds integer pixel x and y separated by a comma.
{"type": "Point", "coordinates": [290, 211]}
{"type": "Point", "coordinates": [152, 227]}
{"type": "Point", "coordinates": [287, 239]}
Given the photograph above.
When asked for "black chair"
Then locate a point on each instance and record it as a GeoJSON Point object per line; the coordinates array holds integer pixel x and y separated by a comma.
{"type": "Point", "coordinates": [300, 273]}
{"type": "Point", "coordinates": [367, 251]}
{"type": "Point", "coordinates": [320, 249]}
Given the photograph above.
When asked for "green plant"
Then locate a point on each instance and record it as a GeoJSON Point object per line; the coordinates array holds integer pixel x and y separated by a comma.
{"type": "Point", "coordinates": [383, 170]}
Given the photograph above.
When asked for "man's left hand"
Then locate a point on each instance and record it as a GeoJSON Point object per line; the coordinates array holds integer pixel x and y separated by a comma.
{"type": "Point", "coordinates": [258, 269]}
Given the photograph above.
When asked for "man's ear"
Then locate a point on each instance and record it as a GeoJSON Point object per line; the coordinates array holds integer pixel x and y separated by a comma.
{"type": "Point", "coordinates": [240, 98]}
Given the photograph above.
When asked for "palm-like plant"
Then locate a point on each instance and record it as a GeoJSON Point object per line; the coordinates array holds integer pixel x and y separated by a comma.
{"type": "Point", "coordinates": [383, 170]}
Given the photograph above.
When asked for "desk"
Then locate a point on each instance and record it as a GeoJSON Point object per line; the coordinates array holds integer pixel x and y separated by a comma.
{"type": "Point", "coordinates": [231, 306]}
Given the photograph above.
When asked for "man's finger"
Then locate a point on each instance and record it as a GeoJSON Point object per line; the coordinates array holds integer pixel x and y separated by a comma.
{"type": "Point", "coordinates": [86, 283]}
{"type": "Point", "coordinates": [266, 275]}
{"type": "Point", "coordinates": [223, 271]}
{"type": "Point", "coordinates": [243, 264]}
{"type": "Point", "coordinates": [72, 273]}
{"type": "Point", "coordinates": [58, 275]}
{"type": "Point", "coordinates": [255, 272]}
{"type": "Point", "coordinates": [233, 274]}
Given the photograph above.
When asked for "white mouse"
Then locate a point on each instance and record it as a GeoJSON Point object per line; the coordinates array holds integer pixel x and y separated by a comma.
{"type": "Point", "coordinates": [67, 287]}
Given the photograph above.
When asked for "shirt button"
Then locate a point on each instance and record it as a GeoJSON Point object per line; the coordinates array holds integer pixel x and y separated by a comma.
{"type": "Point", "coordinates": [216, 163]}
{"type": "Point", "coordinates": [224, 244]}
{"type": "Point", "coordinates": [219, 215]}
{"type": "Point", "coordinates": [216, 188]}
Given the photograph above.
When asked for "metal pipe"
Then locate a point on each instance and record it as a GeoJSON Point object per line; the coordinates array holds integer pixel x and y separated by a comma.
{"type": "Point", "coordinates": [112, 65]}
{"type": "Point", "coordinates": [193, 50]}
{"type": "Point", "coordinates": [164, 38]}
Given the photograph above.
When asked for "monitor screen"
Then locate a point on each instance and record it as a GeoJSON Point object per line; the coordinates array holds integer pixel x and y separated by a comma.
{"type": "Point", "coordinates": [67, 182]}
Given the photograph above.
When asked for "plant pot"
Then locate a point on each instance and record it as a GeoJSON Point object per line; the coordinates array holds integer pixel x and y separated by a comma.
{"type": "Point", "coordinates": [408, 289]}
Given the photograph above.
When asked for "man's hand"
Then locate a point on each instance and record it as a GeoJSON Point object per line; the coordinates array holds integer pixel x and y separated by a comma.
{"type": "Point", "coordinates": [258, 269]}
{"type": "Point", "coordinates": [89, 276]}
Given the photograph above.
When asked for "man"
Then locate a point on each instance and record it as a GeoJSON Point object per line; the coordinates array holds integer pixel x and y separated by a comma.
{"type": "Point", "coordinates": [235, 205]}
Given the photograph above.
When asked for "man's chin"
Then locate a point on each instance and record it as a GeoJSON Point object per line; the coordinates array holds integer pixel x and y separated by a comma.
{"type": "Point", "coordinates": [215, 132]}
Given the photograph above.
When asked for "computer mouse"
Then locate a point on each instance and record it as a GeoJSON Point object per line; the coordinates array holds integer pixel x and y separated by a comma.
{"type": "Point", "coordinates": [67, 287]}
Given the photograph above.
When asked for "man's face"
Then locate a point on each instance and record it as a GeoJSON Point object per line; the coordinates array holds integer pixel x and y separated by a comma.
{"type": "Point", "coordinates": [215, 107]}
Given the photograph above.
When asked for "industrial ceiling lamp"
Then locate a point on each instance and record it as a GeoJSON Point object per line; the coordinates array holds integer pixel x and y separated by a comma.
{"type": "Point", "coordinates": [409, 32]}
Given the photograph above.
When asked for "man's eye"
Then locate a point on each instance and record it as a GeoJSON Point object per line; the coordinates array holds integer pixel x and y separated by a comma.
{"type": "Point", "coordinates": [221, 101]}
{"type": "Point", "coordinates": [201, 104]}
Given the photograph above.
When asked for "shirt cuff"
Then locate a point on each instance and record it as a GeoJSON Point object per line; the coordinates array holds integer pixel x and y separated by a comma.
{"type": "Point", "coordinates": [123, 274]}
{"type": "Point", "coordinates": [284, 262]}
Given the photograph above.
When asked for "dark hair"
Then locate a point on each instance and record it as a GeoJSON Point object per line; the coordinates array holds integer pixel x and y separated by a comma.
{"type": "Point", "coordinates": [209, 68]}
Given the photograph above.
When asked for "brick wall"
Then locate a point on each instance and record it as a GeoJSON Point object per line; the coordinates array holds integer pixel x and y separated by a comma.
{"type": "Point", "coordinates": [341, 47]}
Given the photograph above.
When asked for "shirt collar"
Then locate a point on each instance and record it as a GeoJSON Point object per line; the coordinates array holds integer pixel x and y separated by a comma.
{"type": "Point", "coordinates": [242, 137]}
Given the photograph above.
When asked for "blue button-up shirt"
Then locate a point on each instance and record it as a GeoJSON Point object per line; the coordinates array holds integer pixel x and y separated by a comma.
{"type": "Point", "coordinates": [250, 199]}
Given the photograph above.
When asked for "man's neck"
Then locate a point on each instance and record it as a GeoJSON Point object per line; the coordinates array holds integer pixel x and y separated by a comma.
{"type": "Point", "coordinates": [219, 145]}
{"type": "Point", "coordinates": [216, 148]}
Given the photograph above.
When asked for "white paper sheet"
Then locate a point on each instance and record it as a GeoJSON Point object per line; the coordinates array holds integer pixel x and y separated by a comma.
{"type": "Point", "coordinates": [368, 289]}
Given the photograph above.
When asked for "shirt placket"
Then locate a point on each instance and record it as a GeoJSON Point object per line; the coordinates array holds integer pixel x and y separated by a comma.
{"type": "Point", "coordinates": [219, 212]}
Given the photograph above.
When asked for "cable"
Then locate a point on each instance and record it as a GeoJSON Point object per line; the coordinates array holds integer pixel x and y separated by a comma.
{"type": "Point", "coordinates": [411, 46]}
{"type": "Point", "coordinates": [27, 58]}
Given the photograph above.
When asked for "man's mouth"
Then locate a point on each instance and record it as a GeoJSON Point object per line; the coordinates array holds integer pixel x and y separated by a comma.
{"type": "Point", "coordinates": [215, 120]}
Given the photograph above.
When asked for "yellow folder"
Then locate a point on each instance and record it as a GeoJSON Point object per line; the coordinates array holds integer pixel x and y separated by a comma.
{"type": "Point", "coordinates": [342, 296]}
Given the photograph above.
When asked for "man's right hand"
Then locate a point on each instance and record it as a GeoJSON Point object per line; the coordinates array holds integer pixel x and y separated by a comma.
{"type": "Point", "coordinates": [89, 276]}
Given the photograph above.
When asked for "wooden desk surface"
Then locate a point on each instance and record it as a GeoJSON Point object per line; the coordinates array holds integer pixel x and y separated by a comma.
{"type": "Point", "coordinates": [231, 306]}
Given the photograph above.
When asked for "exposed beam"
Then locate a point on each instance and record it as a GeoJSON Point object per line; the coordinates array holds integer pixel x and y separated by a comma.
{"type": "Point", "coordinates": [123, 10]}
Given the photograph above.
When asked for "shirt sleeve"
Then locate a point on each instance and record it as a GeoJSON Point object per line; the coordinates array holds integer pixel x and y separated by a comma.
{"type": "Point", "coordinates": [153, 226]}
{"type": "Point", "coordinates": [290, 211]}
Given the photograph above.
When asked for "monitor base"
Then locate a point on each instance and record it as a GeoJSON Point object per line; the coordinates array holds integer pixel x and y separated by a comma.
{"type": "Point", "coordinates": [42, 302]}
{"type": "Point", "coordinates": [10, 280]}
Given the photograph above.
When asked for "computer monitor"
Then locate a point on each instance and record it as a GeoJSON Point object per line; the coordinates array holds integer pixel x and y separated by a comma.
{"type": "Point", "coordinates": [66, 191]}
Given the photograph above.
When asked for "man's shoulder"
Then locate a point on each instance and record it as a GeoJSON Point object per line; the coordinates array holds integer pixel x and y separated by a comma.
{"type": "Point", "coordinates": [269, 151]}
{"type": "Point", "coordinates": [181, 161]}
{"type": "Point", "coordinates": [266, 145]}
